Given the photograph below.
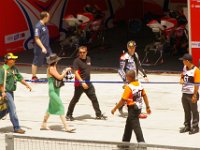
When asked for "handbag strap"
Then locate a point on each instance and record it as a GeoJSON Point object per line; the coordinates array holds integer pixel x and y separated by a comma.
{"type": "Point", "coordinates": [5, 78]}
{"type": "Point", "coordinates": [4, 82]}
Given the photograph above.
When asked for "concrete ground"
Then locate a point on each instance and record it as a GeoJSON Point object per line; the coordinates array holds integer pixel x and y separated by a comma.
{"type": "Point", "coordinates": [161, 127]}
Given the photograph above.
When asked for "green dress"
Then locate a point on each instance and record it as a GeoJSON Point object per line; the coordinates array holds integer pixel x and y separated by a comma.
{"type": "Point", "coordinates": [55, 103]}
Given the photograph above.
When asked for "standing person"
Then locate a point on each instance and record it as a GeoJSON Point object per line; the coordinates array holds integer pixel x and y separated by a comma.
{"type": "Point", "coordinates": [190, 95]}
{"type": "Point", "coordinates": [82, 67]}
{"type": "Point", "coordinates": [41, 48]}
{"type": "Point", "coordinates": [12, 76]}
{"type": "Point", "coordinates": [133, 94]}
{"type": "Point", "coordinates": [55, 103]}
{"type": "Point", "coordinates": [130, 61]}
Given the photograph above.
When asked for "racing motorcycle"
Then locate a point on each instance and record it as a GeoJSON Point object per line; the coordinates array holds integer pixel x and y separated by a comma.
{"type": "Point", "coordinates": [83, 29]}
{"type": "Point", "coordinates": [170, 36]}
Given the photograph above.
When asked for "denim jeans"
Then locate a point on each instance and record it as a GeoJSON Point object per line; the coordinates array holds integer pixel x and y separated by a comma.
{"type": "Point", "coordinates": [12, 110]}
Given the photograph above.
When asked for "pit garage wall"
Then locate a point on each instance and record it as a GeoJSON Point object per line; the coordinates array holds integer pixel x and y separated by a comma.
{"type": "Point", "coordinates": [13, 27]}
{"type": "Point", "coordinates": [20, 16]}
{"type": "Point", "coordinates": [2, 25]}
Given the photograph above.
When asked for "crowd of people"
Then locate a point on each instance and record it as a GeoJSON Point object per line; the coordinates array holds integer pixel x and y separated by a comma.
{"type": "Point", "coordinates": [133, 95]}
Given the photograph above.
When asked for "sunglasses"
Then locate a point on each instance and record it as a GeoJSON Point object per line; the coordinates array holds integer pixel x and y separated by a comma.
{"type": "Point", "coordinates": [82, 52]}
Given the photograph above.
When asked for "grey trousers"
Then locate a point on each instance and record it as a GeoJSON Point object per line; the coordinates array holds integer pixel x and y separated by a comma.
{"type": "Point", "coordinates": [191, 111]}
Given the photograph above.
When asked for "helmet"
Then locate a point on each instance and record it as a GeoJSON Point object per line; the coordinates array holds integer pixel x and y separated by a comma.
{"type": "Point", "coordinates": [131, 44]}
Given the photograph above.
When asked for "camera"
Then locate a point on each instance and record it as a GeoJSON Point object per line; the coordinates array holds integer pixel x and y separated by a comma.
{"type": "Point", "coordinates": [69, 75]}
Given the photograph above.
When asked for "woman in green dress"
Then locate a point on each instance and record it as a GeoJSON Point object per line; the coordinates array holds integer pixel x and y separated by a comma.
{"type": "Point", "coordinates": [55, 103]}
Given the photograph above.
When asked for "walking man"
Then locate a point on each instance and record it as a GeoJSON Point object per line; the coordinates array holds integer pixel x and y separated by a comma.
{"type": "Point", "coordinates": [42, 47]}
{"type": "Point", "coordinates": [130, 61]}
{"type": "Point", "coordinates": [189, 79]}
{"type": "Point", "coordinates": [11, 74]}
{"type": "Point", "coordinates": [82, 67]}
{"type": "Point", "coordinates": [133, 95]}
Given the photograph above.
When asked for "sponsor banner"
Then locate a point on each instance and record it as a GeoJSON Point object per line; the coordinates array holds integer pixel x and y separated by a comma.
{"type": "Point", "coordinates": [16, 37]}
{"type": "Point", "coordinates": [195, 44]}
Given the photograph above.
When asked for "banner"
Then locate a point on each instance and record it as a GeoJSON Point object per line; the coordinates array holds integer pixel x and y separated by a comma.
{"type": "Point", "coordinates": [19, 18]}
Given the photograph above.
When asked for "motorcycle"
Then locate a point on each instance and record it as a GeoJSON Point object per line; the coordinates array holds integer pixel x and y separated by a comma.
{"type": "Point", "coordinates": [83, 29]}
{"type": "Point", "coordinates": [170, 36]}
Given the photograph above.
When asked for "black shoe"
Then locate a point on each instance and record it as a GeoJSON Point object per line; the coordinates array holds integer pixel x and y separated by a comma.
{"type": "Point", "coordinates": [101, 117]}
{"type": "Point", "coordinates": [69, 118]}
{"type": "Point", "coordinates": [184, 129]}
{"type": "Point", "coordinates": [194, 130]}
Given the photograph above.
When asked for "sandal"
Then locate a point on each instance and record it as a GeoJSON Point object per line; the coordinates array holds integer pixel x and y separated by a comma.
{"type": "Point", "coordinates": [70, 130]}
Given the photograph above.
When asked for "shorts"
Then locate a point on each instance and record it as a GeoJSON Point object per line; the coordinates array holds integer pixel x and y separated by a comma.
{"type": "Point", "coordinates": [39, 57]}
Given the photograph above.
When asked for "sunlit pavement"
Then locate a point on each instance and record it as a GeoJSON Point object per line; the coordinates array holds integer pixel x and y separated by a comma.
{"type": "Point", "coordinates": [161, 127]}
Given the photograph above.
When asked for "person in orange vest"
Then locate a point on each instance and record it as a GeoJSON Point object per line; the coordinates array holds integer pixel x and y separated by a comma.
{"type": "Point", "coordinates": [190, 95]}
{"type": "Point", "coordinates": [130, 61]}
{"type": "Point", "coordinates": [133, 95]}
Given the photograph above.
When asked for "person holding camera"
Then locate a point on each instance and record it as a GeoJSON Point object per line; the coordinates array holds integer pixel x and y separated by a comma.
{"type": "Point", "coordinates": [82, 67]}
{"type": "Point", "coordinates": [55, 106]}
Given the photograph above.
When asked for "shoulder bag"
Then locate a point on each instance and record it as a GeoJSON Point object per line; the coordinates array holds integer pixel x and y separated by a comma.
{"type": "Point", "coordinates": [3, 102]}
{"type": "Point", "coordinates": [58, 83]}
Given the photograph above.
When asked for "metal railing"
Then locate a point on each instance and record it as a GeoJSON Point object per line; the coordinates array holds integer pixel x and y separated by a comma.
{"type": "Point", "coordinates": [22, 142]}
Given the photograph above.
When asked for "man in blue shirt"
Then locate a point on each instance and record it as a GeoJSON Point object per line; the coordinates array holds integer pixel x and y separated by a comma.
{"type": "Point", "coordinates": [41, 48]}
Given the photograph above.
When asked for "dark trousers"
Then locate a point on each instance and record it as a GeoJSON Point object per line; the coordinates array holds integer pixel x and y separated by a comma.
{"type": "Point", "coordinates": [191, 111]}
{"type": "Point", "coordinates": [90, 92]}
{"type": "Point", "coordinates": [133, 123]}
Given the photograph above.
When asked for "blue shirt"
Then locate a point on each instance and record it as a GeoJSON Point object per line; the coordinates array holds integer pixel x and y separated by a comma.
{"type": "Point", "coordinates": [42, 32]}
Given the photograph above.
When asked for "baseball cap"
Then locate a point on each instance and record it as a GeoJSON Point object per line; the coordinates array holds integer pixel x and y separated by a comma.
{"type": "Point", "coordinates": [186, 57]}
{"type": "Point", "coordinates": [131, 44]}
{"type": "Point", "coordinates": [10, 56]}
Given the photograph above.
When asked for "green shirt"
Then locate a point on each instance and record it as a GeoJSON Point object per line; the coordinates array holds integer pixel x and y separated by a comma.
{"type": "Point", "coordinates": [13, 76]}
